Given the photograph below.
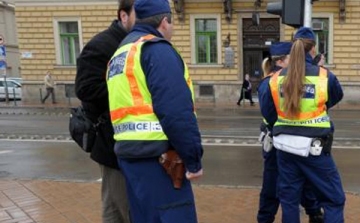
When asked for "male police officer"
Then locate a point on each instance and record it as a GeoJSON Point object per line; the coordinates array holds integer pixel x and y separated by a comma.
{"type": "Point", "coordinates": [152, 109]}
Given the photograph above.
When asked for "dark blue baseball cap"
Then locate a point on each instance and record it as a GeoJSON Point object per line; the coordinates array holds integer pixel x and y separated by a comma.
{"type": "Point", "coordinates": [280, 48]}
{"type": "Point", "coordinates": [305, 33]}
{"type": "Point", "coordinates": [148, 8]}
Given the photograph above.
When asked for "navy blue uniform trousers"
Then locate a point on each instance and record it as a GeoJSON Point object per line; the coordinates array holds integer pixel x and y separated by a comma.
{"type": "Point", "coordinates": [324, 178]}
{"type": "Point", "coordinates": [269, 201]}
{"type": "Point", "coordinates": [151, 194]}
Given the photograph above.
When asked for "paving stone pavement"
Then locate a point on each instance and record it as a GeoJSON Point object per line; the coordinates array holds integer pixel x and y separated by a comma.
{"type": "Point", "coordinates": [44, 201]}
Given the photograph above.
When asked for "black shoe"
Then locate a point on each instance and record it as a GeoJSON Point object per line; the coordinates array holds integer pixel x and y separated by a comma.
{"type": "Point", "coordinates": [252, 104]}
{"type": "Point", "coordinates": [316, 218]}
{"type": "Point", "coordinates": [238, 103]}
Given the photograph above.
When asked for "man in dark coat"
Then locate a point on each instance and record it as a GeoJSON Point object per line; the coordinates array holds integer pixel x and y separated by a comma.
{"type": "Point", "coordinates": [91, 89]}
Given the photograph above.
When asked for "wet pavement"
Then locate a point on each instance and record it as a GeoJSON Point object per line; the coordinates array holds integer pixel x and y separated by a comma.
{"type": "Point", "coordinates": [220, 198]}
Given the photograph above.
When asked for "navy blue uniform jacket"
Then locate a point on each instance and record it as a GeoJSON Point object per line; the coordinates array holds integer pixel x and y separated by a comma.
{"type": "Point", "coordinates": [171, 97]}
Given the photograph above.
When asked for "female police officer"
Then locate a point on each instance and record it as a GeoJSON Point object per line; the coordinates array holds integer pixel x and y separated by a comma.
{"type": "Point", "coordinates": [269, 202]}
{"type": "Point", "coordinates": [296, 102]}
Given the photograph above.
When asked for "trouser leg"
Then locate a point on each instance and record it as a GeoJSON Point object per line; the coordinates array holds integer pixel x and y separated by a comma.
{"type": "Point", "coordinates": [53, 95]}
{"type": "Point", "coordinates": [290, 183]}
{"type": "Point", "coordinates": [115, 207]}
{"type": "Point", "coordinates": [321, 171]}
{"type": "Point", "coordinates": [152, 196]}
{"type": "Point", "coordinates": [309, 200]}
{"type": "Point", "coordinates": [47, 95]}
{"type": "Point", "coordinates": [269, 202]}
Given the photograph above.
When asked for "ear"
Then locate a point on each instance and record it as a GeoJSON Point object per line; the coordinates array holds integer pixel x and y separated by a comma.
{"type": "Point", "coordinates": [123, 16]}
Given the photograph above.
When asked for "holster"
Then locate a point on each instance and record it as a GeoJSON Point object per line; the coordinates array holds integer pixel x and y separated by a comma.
{"type": "Point", "coordinates": [174, 166]}
{"type": "Point", "coordinates": [328, 140]}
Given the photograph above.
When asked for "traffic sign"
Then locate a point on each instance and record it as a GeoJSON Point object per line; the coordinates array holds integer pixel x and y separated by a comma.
{"type": "Point", "coordinates": [1, 40]}
{"type": "Point", "coordinates": [2, 51]}
{"type": "Point", "coordinates": [2, 65]}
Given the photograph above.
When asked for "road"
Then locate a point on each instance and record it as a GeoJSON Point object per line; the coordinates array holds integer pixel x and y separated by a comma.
{"type": "Point", "coordinates": [34, 144]}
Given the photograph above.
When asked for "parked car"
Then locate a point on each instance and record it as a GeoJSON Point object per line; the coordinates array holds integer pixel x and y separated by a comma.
{"type": "Point", "coordinates": [17, 79]}
{"type": "Point", "coordinates": [12, 86]}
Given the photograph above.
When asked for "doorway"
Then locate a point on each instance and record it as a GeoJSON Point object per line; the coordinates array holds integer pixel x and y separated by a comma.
{"type": "Point", "coordinates": [256, 43]}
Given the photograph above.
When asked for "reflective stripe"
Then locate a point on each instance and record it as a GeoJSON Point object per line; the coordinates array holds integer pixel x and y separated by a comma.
{"type": "Point", "coordinates": [135, 91]}
{"type": "Point", "coordinates": [135, 110]}
{"type": "Point", "coordinates": [137, 127]}
{"type": "Point", "coordinates": [139, 107]}
{"type": "Point", "coordinates": [302, 115]}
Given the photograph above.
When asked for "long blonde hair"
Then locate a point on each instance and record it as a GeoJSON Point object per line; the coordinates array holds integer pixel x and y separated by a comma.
{"type": "Point", "coordinates": [268, 64]}
{"type": "Point", "coordinates": [293, 86]}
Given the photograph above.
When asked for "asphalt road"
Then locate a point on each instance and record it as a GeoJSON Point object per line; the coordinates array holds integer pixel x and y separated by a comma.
{"type": "Point", "coordinates": [239, 166]}
{"type": "Point", "coordinates": [35, 144]}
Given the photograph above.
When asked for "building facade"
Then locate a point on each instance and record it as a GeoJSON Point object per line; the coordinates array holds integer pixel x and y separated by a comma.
{"type": "Point", "coordinates": [220, 41]}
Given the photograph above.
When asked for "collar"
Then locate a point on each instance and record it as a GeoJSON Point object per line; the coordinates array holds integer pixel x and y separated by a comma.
{"type": "Point", "coordinates": [145, 28]}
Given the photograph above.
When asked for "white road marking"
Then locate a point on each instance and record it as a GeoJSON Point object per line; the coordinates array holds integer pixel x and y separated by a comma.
{"type": "Point", "coordinates": [5, 151]}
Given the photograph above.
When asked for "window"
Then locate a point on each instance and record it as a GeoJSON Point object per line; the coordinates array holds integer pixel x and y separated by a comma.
{"type": "Point", "coordinates": [67, 37]}
{"type": "Point", "coordinates": [323, 27]}
{"type": "Point", "coordinates": [205, 39]}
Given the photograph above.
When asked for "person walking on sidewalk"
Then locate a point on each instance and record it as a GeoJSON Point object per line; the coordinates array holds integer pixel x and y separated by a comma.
{"type": "Point", "coordinates": [151, 101]}
{"type": "Point", "coordinates": [246, 89]}
{"type": "Point", "coordinates": [49, 86]}
{"type": "Point", "coordinates": [296, 103]}
{"type": "Point", "coordinates": [269, 201]}
{"type": "Point", "coordinates": [90, 86]}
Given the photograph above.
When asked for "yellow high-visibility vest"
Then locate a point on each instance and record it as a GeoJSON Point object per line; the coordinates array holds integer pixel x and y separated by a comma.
{"type": "Point", "coordinates": [130, 102]}
{"type": "Point", "coordinates": [313, 111]}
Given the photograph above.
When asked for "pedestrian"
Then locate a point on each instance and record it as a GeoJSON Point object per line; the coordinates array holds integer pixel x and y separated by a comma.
{"type": "Point", "coordinates": [49, 86]}
{"type": "Point", "coordinates": [269, 201]}
{"type": "Point", "coordinates": [151, 102]}
{"type": "Point", "coordinates": [245, 91]}
{"type": "Point", "coordinates": [296, 104]}
{"type": "Point", "coordinates": [90, 86]}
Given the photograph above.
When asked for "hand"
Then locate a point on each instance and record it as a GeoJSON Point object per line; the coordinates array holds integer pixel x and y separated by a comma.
{"type": "Point", "coordinates": [194, 176]}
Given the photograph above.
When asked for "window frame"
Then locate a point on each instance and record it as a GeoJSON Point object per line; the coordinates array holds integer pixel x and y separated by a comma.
{"type": "Point", "coordinates": [330, 17]}
{"type": "Point", "coordinates": [217, 17]}
{"type": "Point", "coordinates": [58, 42]}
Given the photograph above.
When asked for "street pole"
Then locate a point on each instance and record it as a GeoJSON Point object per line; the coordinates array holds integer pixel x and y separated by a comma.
{"type": "Point", "coordinates": [308, 13]}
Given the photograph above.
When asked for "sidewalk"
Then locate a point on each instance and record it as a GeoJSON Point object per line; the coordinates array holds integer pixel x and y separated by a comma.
{"type": "Point", "coordinates": [41, 201]}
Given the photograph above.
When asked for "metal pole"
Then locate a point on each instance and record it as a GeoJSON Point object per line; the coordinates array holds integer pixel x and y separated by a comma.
{"type": "Point", "coordinates": [308, 13]}
{"type": "Point", "coordinates": [14, 96]}
{"type": "Point", "coordinates": [6, 89]}
{"type": "Point", "coordinates": [41, 98]}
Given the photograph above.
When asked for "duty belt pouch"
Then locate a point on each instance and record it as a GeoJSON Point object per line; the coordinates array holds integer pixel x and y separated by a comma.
{"type": "Point", "coordinates": [297, 145]}
{"type": "Point", "coordinates": [174, 166]}
{"type": "Point", "coordinates": [268, 142]}
{"type": "Point", "coordinates": [316, 146]}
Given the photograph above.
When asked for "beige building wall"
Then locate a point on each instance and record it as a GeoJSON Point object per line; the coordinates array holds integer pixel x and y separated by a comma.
{"type": "Point", "coordinates": [35, 24]}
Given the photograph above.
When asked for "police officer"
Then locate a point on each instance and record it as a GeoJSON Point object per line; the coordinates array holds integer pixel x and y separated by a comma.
{"type": "Point", "coordinates": [296, 103]}
{"type": "Point", "coordinates": [152, 109]}
{"type": "Point", "coordinates": [269, 202]}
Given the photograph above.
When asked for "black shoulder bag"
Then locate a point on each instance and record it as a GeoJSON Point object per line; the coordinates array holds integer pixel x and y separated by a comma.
{"type": "Point", "coordinates": [82, 129]}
